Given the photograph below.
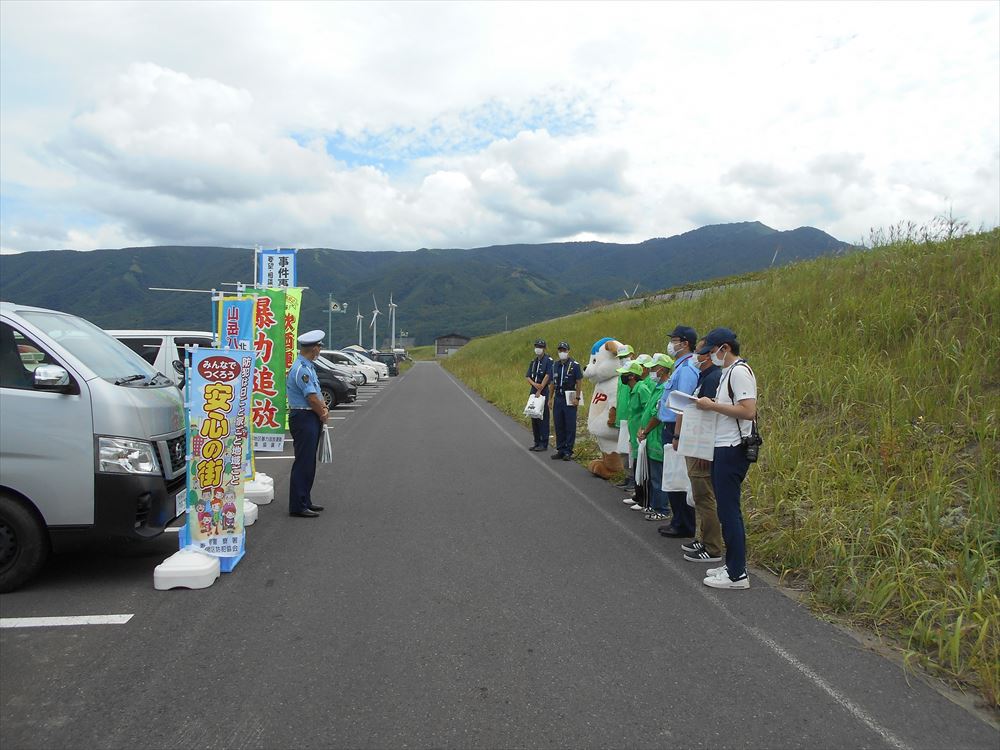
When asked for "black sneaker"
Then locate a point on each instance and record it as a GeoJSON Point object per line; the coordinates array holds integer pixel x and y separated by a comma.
{"type": "Point", "coordinates": [556, 456]}
{"type": "Point", "coordinates": [694, 546]}
{"type": "Point", "coordinates": [702, 556]}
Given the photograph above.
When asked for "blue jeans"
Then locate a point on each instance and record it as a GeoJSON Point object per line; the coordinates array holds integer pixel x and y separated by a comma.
{"type": "Point", "coordinates": [304, 424]}
{"type": "Point", "coordinates": [564, 419]}
{"type": "Point", "coordinates": [657, 497]}
{"type": "Point", "coordinates": [729, 468]}
{"type": "Point", "coordinates": [683, 514]}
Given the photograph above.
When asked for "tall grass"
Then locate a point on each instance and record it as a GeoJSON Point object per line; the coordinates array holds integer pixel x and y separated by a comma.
{"type": "Point", "coordinates": [878, 487]}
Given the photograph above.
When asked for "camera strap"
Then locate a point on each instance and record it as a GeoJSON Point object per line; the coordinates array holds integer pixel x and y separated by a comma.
{"type": "Point", "coordinates": [732, 398]}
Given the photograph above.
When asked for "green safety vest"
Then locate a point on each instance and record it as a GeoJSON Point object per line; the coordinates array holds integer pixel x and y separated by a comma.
{"type": "Point", "coordinates": [621, 404]}
{"type": "Point", "coordinates": [637, 400]}
{"type": "Point", "coordinates": [654, 440]}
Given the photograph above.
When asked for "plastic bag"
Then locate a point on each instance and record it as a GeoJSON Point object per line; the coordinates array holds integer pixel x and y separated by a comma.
{"type": "Point", "coordinates": [325, 452]}
{"type": "Point", "coordinates": [535, 408]}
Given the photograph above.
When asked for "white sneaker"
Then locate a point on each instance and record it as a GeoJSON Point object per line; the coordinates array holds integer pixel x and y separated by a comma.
{"type": "Point", "coordinates": [717, 572]}
{"type": "Point", "coordinates": [629, 500]}
{"type": "Point", "coordinates": [724, 582]}
{"type": "Point", "coordinates": [636, 506]}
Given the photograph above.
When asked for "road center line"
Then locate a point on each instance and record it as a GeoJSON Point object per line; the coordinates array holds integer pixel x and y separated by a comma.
{"type": "Point", "coordinates": [758, 635]}
{"type": "Point", "coordinates": [49, 622]}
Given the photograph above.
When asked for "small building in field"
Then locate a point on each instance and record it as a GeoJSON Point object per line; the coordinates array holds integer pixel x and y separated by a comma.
{"type": "Point", "coordinates": [445, 346]}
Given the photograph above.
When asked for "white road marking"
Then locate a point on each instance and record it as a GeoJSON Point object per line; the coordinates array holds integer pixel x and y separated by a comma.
{"type": "Point", "coordinates": [760, 636]}
{"type": "Point", "coordinates": [272, 458]}
{"type": "Point", "coordinates": [49, 622]}
{"type": "Point", "coordinates": [171, 529]}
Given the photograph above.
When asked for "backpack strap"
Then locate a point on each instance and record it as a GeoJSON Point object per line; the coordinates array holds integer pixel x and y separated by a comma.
{"type": "Point", "coordinates": [732, 395]}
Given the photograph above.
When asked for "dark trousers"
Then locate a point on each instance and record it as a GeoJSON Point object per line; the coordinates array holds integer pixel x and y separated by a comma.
{"type": "Point", "coordinates": [683, 514]}
{"type": "Point", "coordinates": [304, 424]}
{"type": "Point", "coordinates": [564, 419]}
{"type": "Point", "coordinates": [540, 427]}
{"type": "Point", "coordinates": [657, 497]}
{"type": "Point", "coordinates": [729, 468]}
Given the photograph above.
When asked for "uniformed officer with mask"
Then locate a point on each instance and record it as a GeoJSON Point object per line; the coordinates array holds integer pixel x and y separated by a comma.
{"type": "Point", "coordinates": [566, 376]}
{"type": "Point", "coordinates": [538, 375]}
{"type": "Point", "coordinates": [306, 416]}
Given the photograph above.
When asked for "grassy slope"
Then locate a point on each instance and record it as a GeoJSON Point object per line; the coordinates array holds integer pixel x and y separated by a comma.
{"type": "Point", "coordinates": [879, 482]}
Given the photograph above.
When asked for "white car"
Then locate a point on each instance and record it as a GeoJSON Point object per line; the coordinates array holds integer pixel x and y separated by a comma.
{"type": "Point", "coordinates": [340, 358]}
{"type": "Point", "coordinates": [351, 374]}
{"type": "Point", "coordinates": [162, 348]}
{"type": "Point", "coordinates": [361, 359]}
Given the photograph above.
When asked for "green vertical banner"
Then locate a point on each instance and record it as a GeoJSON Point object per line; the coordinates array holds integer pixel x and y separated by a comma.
{"type": "Point", "coordinates": [293, 304]}
{"type": "Point", "coordinates": [269, 401]}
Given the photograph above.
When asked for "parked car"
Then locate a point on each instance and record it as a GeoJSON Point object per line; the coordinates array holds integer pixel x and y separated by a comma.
{"type": "Point", "coordinates": [336, 389]}
{"type": "Point", "coordinates": [162, 348]}
{"type": "Point", "coordinates": [391, 361]}
{"type": "Point", "coordinates": [354, 376]}
{"type": "Point", "coordinates": [367, 361]}
{"type": "Point", "coordinates": [339, 358]}
{"type": "Point", "coordinates": [92, 439]}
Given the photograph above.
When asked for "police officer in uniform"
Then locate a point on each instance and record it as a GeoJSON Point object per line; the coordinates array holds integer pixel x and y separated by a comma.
{"type": "Point", "coordinates": [538, 375]}
{"type": "Point", "coordinates": [566, 375]}
{"type": "Point", "coordinates": [306, 416]}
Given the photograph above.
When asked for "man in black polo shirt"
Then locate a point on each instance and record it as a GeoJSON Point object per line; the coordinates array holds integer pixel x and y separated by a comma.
{"type": "Point", "coordinates": [707, 545]}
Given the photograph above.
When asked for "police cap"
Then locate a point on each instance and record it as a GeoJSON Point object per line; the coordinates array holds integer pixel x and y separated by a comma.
{"type": "Point", "coordinates": [311, 338]}
{"type": "Point", "coordinates": [541, 343]}
{"type": "Point", "coordinates": [563, 345]}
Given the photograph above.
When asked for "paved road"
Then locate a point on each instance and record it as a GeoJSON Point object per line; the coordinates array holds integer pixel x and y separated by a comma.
{"type": "Point", "coordinates": [459, 591]}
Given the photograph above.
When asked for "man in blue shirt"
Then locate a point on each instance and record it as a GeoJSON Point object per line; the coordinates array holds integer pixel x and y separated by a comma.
{"type": "Point", "coordinates": [684, 378]}
{"type": "Point", "coordinates": [306, 416]}
{"type": "Point", "coordinates": [538, 375]}
{"type": "Point", "coordinates": [566, 377]}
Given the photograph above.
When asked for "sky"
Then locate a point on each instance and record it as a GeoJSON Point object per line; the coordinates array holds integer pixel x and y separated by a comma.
{"type": "Point", "coordinates": [396, 126]}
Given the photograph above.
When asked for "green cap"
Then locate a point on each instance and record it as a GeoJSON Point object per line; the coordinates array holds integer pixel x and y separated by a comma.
{"type": "Point", "coordinates": [624, 350]}
{"type": "Point", "coordinates": [661, 360]}
{"type": "Point", "coordinates": [634, 367]}
{"type": "Point", "coordinates": [644, 360]}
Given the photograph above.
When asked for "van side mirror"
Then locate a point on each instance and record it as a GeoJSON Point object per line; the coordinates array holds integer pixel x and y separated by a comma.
{"type": "Point", "coordinates": [51, 378]}
{"type": "Point", "coordinates": [178, 366]}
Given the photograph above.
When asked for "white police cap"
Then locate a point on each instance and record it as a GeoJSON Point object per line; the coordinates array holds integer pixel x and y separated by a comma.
{"type": "Point", "coordinates": [311, 338]}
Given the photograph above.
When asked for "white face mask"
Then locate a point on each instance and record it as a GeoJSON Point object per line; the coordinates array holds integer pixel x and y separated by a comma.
{"type": "Point", "coordinates": [563, 355]}
{"type": "Point", "coordinates": [626, 361]}
{"type": "Point", "coordinates": [671, 349]}
{"type": "Point", "coordinates": [720, 360]}
{"type": "Point", "coordinates": [539, 350]}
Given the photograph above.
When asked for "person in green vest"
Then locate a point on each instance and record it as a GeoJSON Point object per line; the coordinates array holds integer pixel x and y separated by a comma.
{"type": "Point", "coordinates": [618, 417]}
{"type": "Point", "coordinates": [651, 430]}
{"type": "Point", "coordinates": [640, 386]}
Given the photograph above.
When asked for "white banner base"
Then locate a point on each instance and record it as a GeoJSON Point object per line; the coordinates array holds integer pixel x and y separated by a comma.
{"type": "Point", "coordinates": [250, 512]}
{"type": "Point", "coordinates": [186, 569]}
{"type": "Point", "coordinates": [258, 492]}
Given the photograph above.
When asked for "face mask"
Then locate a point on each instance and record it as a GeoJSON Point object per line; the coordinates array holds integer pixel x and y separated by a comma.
{"type": "Point", "coordinates": [720, 360]}
{"type": "Point", "coordinates": [563, 355]}
{"type": "Point", "coordinates": [538, 351]}
{"type": "Point", "coordinates": [626, 361]}
{"type": "Point", "coordinates": [672, 349]}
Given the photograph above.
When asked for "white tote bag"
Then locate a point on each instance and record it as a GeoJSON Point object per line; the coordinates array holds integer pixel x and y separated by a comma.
{"type": "Point", "coordinates": [641, 465]}
{"type": "Point", "coordinates": [675, 474]}
{"type": "Point", "coordinates": [535, 408]}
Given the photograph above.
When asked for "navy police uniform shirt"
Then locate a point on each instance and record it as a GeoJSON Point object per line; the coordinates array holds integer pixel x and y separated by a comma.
{"type": "Point", "coordinates": [539, 368]}
{"type": "Point", "coordinates": [302, 380]}
{"type": "Point", "coordinates": [565, 375]}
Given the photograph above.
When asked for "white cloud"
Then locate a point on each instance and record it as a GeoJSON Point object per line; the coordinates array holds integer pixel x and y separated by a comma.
{"type": "Point", "coordinates": [463, 124]}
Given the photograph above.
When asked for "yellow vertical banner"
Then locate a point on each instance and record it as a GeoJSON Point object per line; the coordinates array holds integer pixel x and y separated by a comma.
{"type": "Point", "coordinates": [293, 305]}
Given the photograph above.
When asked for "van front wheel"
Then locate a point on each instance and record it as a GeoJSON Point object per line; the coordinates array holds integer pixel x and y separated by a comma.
{"type": "Point", "coordinates": [24, 543]}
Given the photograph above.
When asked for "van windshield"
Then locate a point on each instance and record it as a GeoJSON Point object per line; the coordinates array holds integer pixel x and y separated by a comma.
{"type": "Point", "coordinates": [106, 356]}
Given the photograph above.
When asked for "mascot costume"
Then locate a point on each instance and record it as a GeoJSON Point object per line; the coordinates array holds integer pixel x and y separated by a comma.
{"type": "Point", "coordinates": [602, 370]}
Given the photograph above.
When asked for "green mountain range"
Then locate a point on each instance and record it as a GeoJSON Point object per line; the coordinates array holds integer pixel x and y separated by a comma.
{"type": "Point", "coordinates": [472, 292]}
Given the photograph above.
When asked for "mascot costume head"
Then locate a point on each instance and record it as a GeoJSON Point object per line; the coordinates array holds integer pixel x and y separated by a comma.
{"type": "Point", "coordinates": [601, 370]}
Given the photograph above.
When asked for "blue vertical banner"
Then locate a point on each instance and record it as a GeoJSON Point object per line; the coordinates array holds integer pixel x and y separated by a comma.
{"type": "Point", "coordinates": [276, 269]}
{"type": "Point", "coordinates": [236, 323]}
{"type": "Point", "coordinates": [220, 384]}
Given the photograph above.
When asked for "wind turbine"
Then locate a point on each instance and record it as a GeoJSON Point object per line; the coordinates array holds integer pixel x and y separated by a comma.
{"type": "Point", "coordinates": [360, 319]}
{"type": "Point", "coordinates": [374, 327]}
{"type": "Point", "coordinates": [392, 321]}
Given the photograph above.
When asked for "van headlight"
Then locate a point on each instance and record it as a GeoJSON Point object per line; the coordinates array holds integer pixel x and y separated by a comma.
{"type": "Point", "coordinates": [123, 456]}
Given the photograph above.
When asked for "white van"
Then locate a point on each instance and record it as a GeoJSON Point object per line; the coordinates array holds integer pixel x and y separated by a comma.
{"type": "Point", "coordinates": [162, 348]}
{"type": "Point", "coordinates": [92, 438]}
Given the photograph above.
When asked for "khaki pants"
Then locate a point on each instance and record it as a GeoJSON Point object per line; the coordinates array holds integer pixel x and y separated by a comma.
{"type": "Point", "coordinates": [707, 528]}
